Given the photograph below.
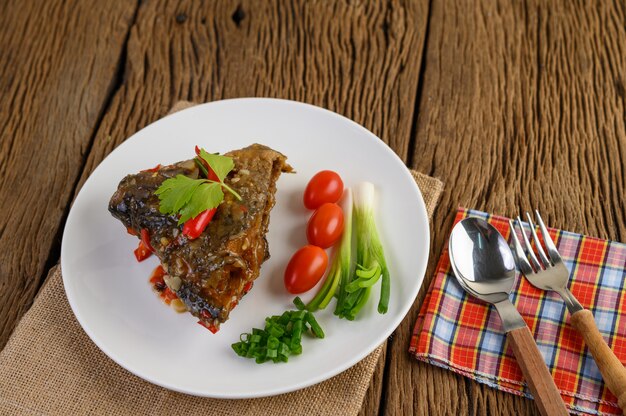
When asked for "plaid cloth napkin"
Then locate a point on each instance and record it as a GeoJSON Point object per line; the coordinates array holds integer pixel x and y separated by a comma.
{"type": "Point", "coordinates": [460, 333]}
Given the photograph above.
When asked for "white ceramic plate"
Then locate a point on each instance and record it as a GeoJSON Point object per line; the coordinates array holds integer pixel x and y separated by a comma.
{"type": "Point", "coordinates": [110, 294]}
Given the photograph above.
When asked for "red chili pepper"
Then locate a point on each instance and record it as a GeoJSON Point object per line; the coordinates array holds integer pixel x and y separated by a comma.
{"type": "Point", "coordinates": [208, 326]}
{"type": "Point", "coordinates": [142, 252]}
{"type": "Point", "coordinates": [131, 231]}
{"type": "Point", "coordinates": [211, 174]}
{"type": "Point", "coordinates": [154, 169]}
{"type": "Point", "coordinates": [195, 226]}
{"type": "Point", "coordinates": [145, 239]}
{"type": "Point", "coordinates": [157, 275]}
{"type": "Point", "coordinates": [247, 287]}
{"type": "Point", "coordinates": [204, 314]}
{"type": "Point", "coordinates": [168, 295]}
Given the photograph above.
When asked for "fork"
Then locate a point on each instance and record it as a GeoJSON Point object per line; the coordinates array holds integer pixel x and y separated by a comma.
{"type": "Point", "coordinates": [548, 272]}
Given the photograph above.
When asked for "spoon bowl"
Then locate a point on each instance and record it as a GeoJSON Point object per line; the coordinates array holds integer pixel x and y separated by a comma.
{"type": "Point", "coordinates": [482, 260]}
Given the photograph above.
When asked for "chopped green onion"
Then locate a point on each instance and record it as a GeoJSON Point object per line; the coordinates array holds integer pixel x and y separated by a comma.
{"type": "Point", "coordinates": [315, 327]}
{"type": "Point", "coordinates": [299, 304]}
{"type": "Point", "coordinates": [284, 319]}
{"type": "Point", "coordinates": [296, 349]}
{"type": "Point", "coordinates": [296, 330]}
{"type": "Point", "coordinates": [298, 315]}
{"type": "Point", "coordinates": [272, 342]}
{"type": "Point", "coordinates": [281, 337]}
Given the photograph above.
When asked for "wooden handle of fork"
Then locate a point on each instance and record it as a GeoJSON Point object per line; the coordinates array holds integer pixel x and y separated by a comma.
{"type": "Point", "coordinates": [536, 373]}
{"type": "Point", "coordinates": [610, 366]}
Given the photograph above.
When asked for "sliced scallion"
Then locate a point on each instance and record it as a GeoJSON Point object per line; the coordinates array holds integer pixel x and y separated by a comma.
{"type": "Point", "coordinates": [281, 337]}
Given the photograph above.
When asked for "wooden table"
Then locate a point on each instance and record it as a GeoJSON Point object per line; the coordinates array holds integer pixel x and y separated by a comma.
{"type": "Point", "coordinates": [514, 105]}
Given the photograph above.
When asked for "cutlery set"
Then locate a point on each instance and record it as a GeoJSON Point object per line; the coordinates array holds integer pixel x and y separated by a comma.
{"type": "Point", "coordinates": [484, 266]}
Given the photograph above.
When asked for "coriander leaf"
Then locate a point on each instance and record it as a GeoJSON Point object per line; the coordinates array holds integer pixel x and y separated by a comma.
{"type": "Point", "coordinates": [207, 195]}
{"type": "Point", "coordinates": [174, 193]}
{"type": "Point", "coordinates": [221, 165]}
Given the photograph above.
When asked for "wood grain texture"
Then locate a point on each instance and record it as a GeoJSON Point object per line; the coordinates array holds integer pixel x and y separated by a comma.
{"type": "Point", "coordinates": [536, 373]}
{"type": "Point", "coordinates": [58, 65]}
{"type": "Point", "coordinates": [363, 63]}
{"type": "Point", "coordinates": [522, 106]}
{"type": "Point", "coordinates": [612, 369]}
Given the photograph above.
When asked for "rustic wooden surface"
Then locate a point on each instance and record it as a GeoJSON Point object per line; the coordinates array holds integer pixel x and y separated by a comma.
{"type": "Point", "coordinates": [58, 68]}
{"type": "Point", "coordinates": [514, 105]}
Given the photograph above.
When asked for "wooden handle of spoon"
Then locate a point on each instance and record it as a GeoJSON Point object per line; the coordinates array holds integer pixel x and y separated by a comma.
{"type": "Point", "coordinates": [610, 366]}
{"type": "Point", "coordinates": [536, 372]}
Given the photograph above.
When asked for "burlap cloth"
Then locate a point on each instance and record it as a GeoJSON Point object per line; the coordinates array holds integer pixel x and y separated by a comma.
{"type": "Point", "coordinates": [51, 367]}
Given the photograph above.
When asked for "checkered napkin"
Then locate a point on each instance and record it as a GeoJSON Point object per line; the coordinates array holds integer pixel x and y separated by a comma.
{"type": "Point", "coordinates": [460, 333]}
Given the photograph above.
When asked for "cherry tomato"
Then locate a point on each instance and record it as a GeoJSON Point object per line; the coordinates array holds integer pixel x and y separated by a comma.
{"type": "Point", "coordinates": [325, 186]}
{"type": "Point", "coordinates": [325, 226]}
{"type": "Point", "coordinates": [305, 269]}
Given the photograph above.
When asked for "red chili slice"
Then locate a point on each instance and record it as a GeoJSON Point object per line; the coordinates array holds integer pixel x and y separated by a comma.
{"type": "Point", "coordinates": [211, 174]}
{"type": "Point", "coordinates": [157, 275]}
{"type": "Point", "coordinates": [145, 239]}
{"type": "Point", "coordinates": [142, 252]}
{"type": "Point", "coordinates": [154, 169]}
{"type": "Point", "coordinates": [208, 326]}
{"type": "Point", "coordinates": [168, 295]}
{"type": "Point", "coordinates": [195, 226]}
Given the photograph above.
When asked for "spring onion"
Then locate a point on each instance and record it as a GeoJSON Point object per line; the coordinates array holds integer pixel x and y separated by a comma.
{"type": "Point", "coordinates": [339, 274]}
{"type": "Point", "coordinates": [370, 259]}
{"type": "Point", "coordinates": [281, 337]}
{"type": "Point", "coordinates": [299, 303]}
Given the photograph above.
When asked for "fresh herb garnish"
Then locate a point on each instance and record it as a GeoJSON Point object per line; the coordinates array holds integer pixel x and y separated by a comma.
{"type": "Point", "coordinates": [221, 165]}
{"type": "Point", "coordinates": [281, 337]}
{"type": "Point", "coordinates": [189, 197]}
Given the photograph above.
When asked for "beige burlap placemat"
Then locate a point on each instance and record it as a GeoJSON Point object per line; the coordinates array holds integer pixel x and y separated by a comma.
{"type": "Point", "coordinates": [51, 367]}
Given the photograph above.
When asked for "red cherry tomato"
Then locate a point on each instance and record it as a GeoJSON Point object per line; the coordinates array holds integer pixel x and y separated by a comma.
{"type": "Point", "coordinates": [305, 269]}
{"type": "Point", "coordinates": [325, 226]}
{"type": "Point", "coordinates": [325, 186]}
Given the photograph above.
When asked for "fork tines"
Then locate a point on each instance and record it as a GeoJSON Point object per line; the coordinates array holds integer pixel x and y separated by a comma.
{"type": "Point", "coordinates": [535, 264]}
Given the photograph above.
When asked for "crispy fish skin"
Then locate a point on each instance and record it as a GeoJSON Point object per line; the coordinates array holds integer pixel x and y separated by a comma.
{"type": "Point", "coordinates": [211, 273]}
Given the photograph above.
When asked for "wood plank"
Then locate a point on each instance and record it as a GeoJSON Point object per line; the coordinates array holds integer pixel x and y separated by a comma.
{"type": "Point", "coordinates": [59, 62]}
{"type": "Point", "coordinates": [363, 63]}
{"type": "Point", "coordinates": [522, 106]}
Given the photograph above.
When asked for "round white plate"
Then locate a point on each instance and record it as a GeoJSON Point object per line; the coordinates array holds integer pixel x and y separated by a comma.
{"type": "Point", "coordinates": [109, 290]}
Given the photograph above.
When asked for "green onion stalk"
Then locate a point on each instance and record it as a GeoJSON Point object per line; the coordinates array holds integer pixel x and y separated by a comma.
{"type": "Point", "coordinates": [340, 269]}
{"type": "Point", "coordinates": [370, 259]}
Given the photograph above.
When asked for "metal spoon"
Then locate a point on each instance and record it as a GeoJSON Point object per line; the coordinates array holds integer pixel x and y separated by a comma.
{"type": "Point", "coordinates": [484, 266]}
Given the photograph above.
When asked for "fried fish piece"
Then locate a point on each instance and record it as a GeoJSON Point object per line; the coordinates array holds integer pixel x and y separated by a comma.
{"type": "Point", "coordinates": [209, 274]}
